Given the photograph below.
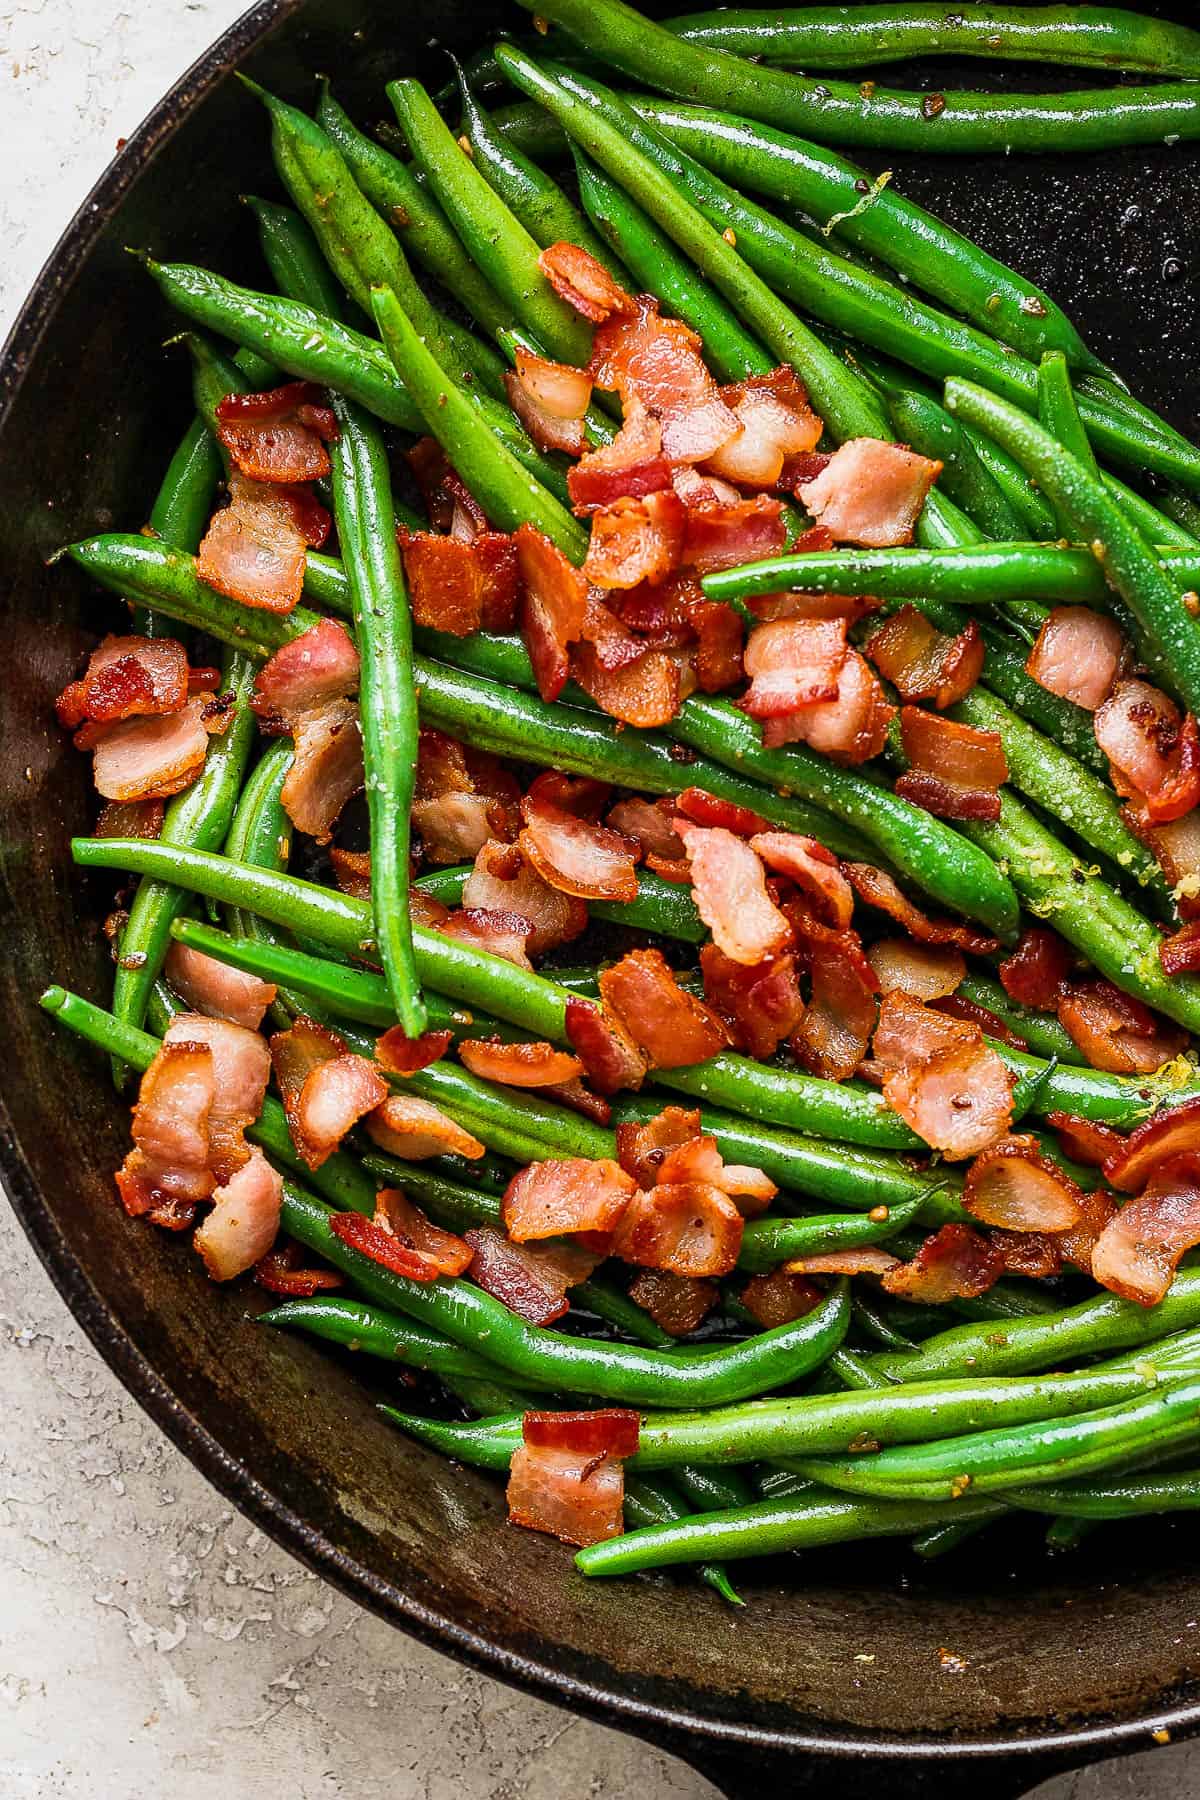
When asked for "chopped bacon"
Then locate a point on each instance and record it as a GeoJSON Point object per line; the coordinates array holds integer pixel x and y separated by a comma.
{"type": "Point", "coordinates": [870, 492]}
{"type": "Point", "coordinates": [1078, 1244]}
{"type": "Point", "coordinates": [813, 607]}
{"type": "Point", "coordinates": [151, 758]}
{"type": "Point", "coordinates": [413, 1129]}
{"type": "Point", "coordinates": [567, 1475]}
{"type": "Point", "coordinates": [796, 473]}
{"type": "Point", "coordinates": [957, 1006]}
{"type": "Point", "coordinates": [449, 502]}
{"type": "Point", "coordinates": [583, 282]}
{"type": "Point", "coordinates": [550, 399]}
{"type": "Point", "coordinates": [401, 1055]}
{"type": "Point", "coordinates": [850, 728]}
{"type": "Point", "coordinates": [574, 856]}
{"type": "Point", "coordinates": [813, 868]}
{"type": "Point", "coordinates": [724, 537]}
{"type": "Point", "coordinates": [1177, 847]}
{"type": "Point", "coordinates": [126, 677]}
{"type": "Point", "coordinates": [955, 771]}
{"type": "Point", "coordinates": [463, 797]}
{"type": "Point", "coordinates": [614, 646]}
{"type": "Point", "coordinates": [280, 1272]}
{"type": "Point", "coordinates": [554, 1198]}
{"type": "Point", "coordinates": [255, 548]}
{"type": "Point", "coordinates": [1173, 1132]}
{"type": "Point", "coordinates": [645, 692]}
{"type": "Point", "coordinates": [699, 1161]}
{"type": "Point", "coordinates": [792, 663]}
{"type": "Point", "coordinates": [305, 687]}
{"type": "Point", "coordinates": [579, 1098]}
{"type": "Point", "coordinates": [760, 1003]}
{"type": "Point", "coordinates": [670, 1027]}
{"type": "Point", "coordinates": [650, 825]}
{"type": "Point", "coordinates": [1153, 753]}
{"type": "Point", "coordinates": [689, 1228]}
{"type": "Point", "coordinates": [956, 1263]}
{"type": "Point", "coordinates": [606, 1048]}
{"type": "Point", "coordinates": [926, 971]}
{"type": "Point", "coordinates": [779, 1298]}
{"type": "Point", "coordinates": [552, 613]}
{"type": "Point", "coordinates": [707, 809]}
{"type": "Point", "coordinates": [502, 934]}
{"type": "Point", "coordinates": [678, 1304]}
{"type": "Point", "coordinates": [1180, 953]}
{"type": "Point", "coordinates": [1014, 1186]}
{"type": "Point", "coordinates": [943, 1080]}
{"type": "Point", "coordinates": [1037, 970]}
{"type": "Point", "coordinates": [658, 361]}
{"type": "Point", "coordinates": [832, 1038]}
{"type": "Point", "coordinates": [717, 657]}
{"type": "Point", "coordinates": [635, 540]}
{"type": "Point", "coordinates": [700, 491]}
{"type": "Point", "coordinates": [280, 435]}
{"type": "Point", "coordinates": [518, 1065]}
{"type": "Point", "coordinates": [632, 466]}
{"type": "Point", "coordinates": [458, 586]}
{"type": "Point", "coordinates": [321, 664]}
{"type": "Point", "coordinates": [531, 1279]}
{"type": "Point", "coordinates": [729, 887]}
{"type": "Point", "coordinates": [1084, 1141]}
{"type": "Point", "coordinates": [1078, 656]}
{"type": "Point", "coordinates": [867, 1259]}
{"type": "Point", "coordinates": [325, 1089]}
{"type": "Point", "coordinates": [505, 881]}
{"type": "Point", "coordinates": [1034, 1254]}
{"type": "Point", "coordinates": [879, 889]}
{"type": "Point", "coordinates": [241, 1066]}
{"type": "Point", "coordinates": [581, 795]}
{"type": "Point", "coordinates": [169, 1164]}
{"type": "Point", "coordinates": [777, 422]}
{"type": "Point", "coordinates": [244, 1220]}
{"type": "Point", "coordinates": [408, 1225]}
{"type": "Point", "coordinates": [130, 818]}
{"type": "Point", "coordinates": [643, 1148]}
{"type": "Point", "coordinates": [1139, 1250]}
{"type": "Point", "coordinates": [216, 989]}
{"type": "Point", "coordinates": [923, 663]}
{"type": "Point", "coordinates": [1116, 1032]}
{"type": "Point", "coordinates": [428, 914]}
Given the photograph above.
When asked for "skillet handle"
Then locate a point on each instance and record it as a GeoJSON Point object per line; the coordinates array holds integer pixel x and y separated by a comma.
{"type": "Point", "coordinates": [751, 1773]}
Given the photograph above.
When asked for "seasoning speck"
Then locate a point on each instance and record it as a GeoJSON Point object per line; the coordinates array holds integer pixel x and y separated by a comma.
{"type": "Point", "coordinates": [932, 105]}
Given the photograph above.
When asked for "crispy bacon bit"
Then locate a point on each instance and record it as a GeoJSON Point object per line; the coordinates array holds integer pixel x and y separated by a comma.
{"type": "Point", "coordinates": [567, 1476]}
{"type": "Point", "coordinates": [642, 1149]}
{"type": "Point", "coordinates": [943, 1080]}
{"type": "Point", "coordinates": [550, 399]}
{"type": "Point", "coordinates": [518, 1065]}
{"type": "Point", "coordinates": [779, 1298]}
{"type": "Point", "coordinates": [1153, 754]}
{"type": "Point", "coordinates": [216, 989]}
{"type": "Point", "coordinates": [729, 887]}
{"type": "Point", "coordinates": [1014, 1186]}
{"type": "Point", "coordinates": [670, 1027]}
{"type": "Point", "coordinates": [463, 797]}
{"type": "Point", "coordinates": [504, 881]}
{"type": "Point", "coordinates": [401, 1055]}
{"type": "Point", "coordinates": [868, 1259]}
{"type": "Point", "coordinates": [700, 491]}
{"type": "Point", "coordinates": [255, 548]}
{"type": "Point", "coordinates": [1077, 1245]}
{"type": "Point", "coordinates": [741, 531]}
{"type": "Point", "coordinates": [761, 1003]}
{"type": "Point", "coordinates": [851, 728]}
{"type": "Point", "coordinates": [679, 1304]}
{"type": "Point", "coordinates": [956, 1263]}
{"type": "Point", "coordinates": [169, 1164]}
{"type": "Point", "coordinates": [325, 1089]}
{"type": "Point", "coordinates": [607, 1050]}
{"type": "Point", "coordinates": [531, 1279]}
{"type": "Point", "coordinates": [635, 540]}
{"type": "Point", "coordinates": [554, 1198]}
{"type": "Point", "coordinates": [689, 1228]}
{"type": "Point", "coordinates": [791, 664]}
{"type": "Point", "coordinates": [577, 277]}
{"type": "Point", "coordinates": [833, 1036]}
{"type": "Point", "coordinates": [645, 692]}
{"type": "Point", "coordinates": [280, 435]}
{"type": "Point", "coordinates": [130, 818]}
{"type": "Point", "coordinates": [881, 890]}
{"type": "Point", "coordinates": [580, 1099]}
{"type": "Point", "coordinates": [777, 423]}
{"type": "Point", "coordinates": [1086, 1142]}
{"type": "Point", "coordinates": [576, 857]}
{"type": "Point", "coordinates": [870, 492]}
{"type": "Point", "coordinates": [1173, 1132]}
{"type": "Point", "coordinates": [631, 466]}
{"type": "Point", "coordinates": [241, 1066]}
{"type": "Point", "coordinates": [151, 758]}
{"type": "Point", "coordinates": [1034, 1254]}
{"type": "Point", "coordinates": [408, 1225]}
{"type": "Point", "coordinates": [924, 663]}
{"type": "Point", "coordinates": [501, 934]}
{"type": "Point", "coordinates": [699, 1161]}
{"type": "Point", "coordinates": [305, 688]}
{"type": "Point", "coordinates": [126, 677]}
{"type": "Point", "coordinates": [413, 1129]}
{"type": "Point", "coordinates": [552, 613]}
{"type": "Point", "coordinates": [1180, 953]}
{"type": "Point", "coordinates": [1139, 1250]}
{"type": "Point", "coordinates": [449, 502]}
{"type": "Point", "coordinates": [1116, 1032]}
{"type": "Point", "coordinates": [1078, 655]}
{"type": "Point", "coordinates": [955, 771]}
{"type": "Point", "coordinates": [1177, 847]}
{"type": "Point", "coordinates": [244, 1220]}
{"type": "Point", "coordinates": [650, 825]}
{"type": "Point", "coordinates": [813, 868]}
{"type": "Point", "coordinates": [706, 809]}
{"type": "Point", "coordinates": [280, 1272]}
{"type": "Point", "coordinates": [797, 472]}
{"type": "Point", "coordinates": [926, 971]}
{"type": "Point", "coordinates": [352, 872]}
{"type": "Point", "coordinates": [659, 362]}
{"type": "Point", "coordinates": [1038, 969]}
{"type": "Point", "coordinates": [460, 586]}
{"type": "Point", "coordinates": [957, 1006]}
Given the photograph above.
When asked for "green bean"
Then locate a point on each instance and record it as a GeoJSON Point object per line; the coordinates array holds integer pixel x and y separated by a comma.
{"type": "Point", "coordinates": [767, 1242]}
{"type": "Point", "coordinates": [497, 242]}
{"type": "Point", "coordinates": [654, 1500]}
{"type": "Point", "coordinates": [413, 213]}
{"type": "Point", "coordinates": [665, 907]}
{"type": "Point", "coordinates": [1041, 1031]}
{"type": "Point", "coordinates": [1127, 1498]}
{"type": "Point", "coordinates": [836, 112]}
{"type": "Point", "coordinates": [939, 1540]}
{"type": "Point", "coordinates": [359, 1326]}
{"type": "Point", "coordinates": [926, 427]}
{"type": "Point", "coordinates": [598, 428]}
{"type": "Point", "coordinates": [358, 993]}
{"type": "Point", "coordinates": [293, 256]}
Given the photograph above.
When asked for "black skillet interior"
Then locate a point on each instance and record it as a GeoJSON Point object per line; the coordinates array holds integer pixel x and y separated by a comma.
{"type": "Point", "coordinates": [849, 1654]}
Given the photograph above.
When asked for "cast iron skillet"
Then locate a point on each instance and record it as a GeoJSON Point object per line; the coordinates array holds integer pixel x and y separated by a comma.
{"type": "Point", "coordinates": [855, 1669]}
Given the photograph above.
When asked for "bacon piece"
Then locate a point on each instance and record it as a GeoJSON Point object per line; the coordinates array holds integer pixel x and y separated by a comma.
{"type": "Point", "coordinates": [813, 868]}
{"type": "Point", "coordinates": [777, 422]}
{"type": "Point", "coordinates": [305, 688]}
{"type": "Point", "coordinates": [868, 1259]}
{"type": "Point", "coordinates": [1180, 953]}
{"type": "Point", "coordinates": [401, 1055]}
{"type": "Point", "coordinates": [1014, 1186]}
{"type": "Point", "coordinates": [504, 881]}
{"type": "Point", "coordinates": [650, 825]}
{"type": "Point", "coordinates": [924, 663]}
{"type": "Point", "coordinates": [702, 491]}
{"type": "Point", "coordinates": [1038, 969]}
{"type": "Point", "coordinates": [870, 492]}
{"type": "Point", "coordinates": [500, 934]}
{"type": "Point", "coordinates": [1171, 1133]}
{"type": "Point", "coordinates": [241, 1066]}
{"type": "Point", "coordinates": [791, 664]}
{"type": "Point", "coordinates": [1153, 753]}
{"type": "Point", "coordinates": [579, 1098]}
{"type": "Point", "coordinates": [955, 770]}
{"type": "Point", "coordinates": [631, 466]}
{"type": "Point", "coordinates": [797, 472]}
{"type": "Point", "coordinates": [151, 758]}
{"type": "Point", "coordinates": [460, 586]}
{"type": "Point", "coordinates": [574, 856]}
{"type": "Point", "coordinates": [581, 795]}
{"type": "Point", "coordinates": [730, 890]}
{"type": "Point", "coordinates": [414, 1129]}
{"type": "Point", "coordinates": [670, 1027]}
{"type": "Point", "coordinates": [583, 282]}
{"type": "Point", "coordinates": [325, 1089]}
{"type": "Point", "coordinates": [779, 1298]}
{"type": "Point", "coordinates": [1078, 655]}
{"type": "Point", "coordinates": [130, 818]}
{"type": "Point", "coordinates": [1077, 1245]}
{"type": "Point", "coordinates": [126, 677]}
{"type": "Point", "coordinates": [646, 692]}
{"type": "Point", "coordinates": [280, 1272]}
{"type": "Point", "coordinates": [814, 608]}
{"type": "Point", "coordinates": [446, 1253]}
{"type": "Point", "coordinates": [699, 1160]}
{"type": "Point", "coordinates": [850, 728]}
{"type": "Point", "coordinates": [926, 971]}
{"type": "Point", "coordinates": [1035, 1254]}
{"type": "Point", "coordinates": [552, 612]}
{"type": "Point", "coordinates": [169, 1164]}
{"type": "Point", "coordinates": [352, 872]}
{"type": "Point", "coordinates": [1084, 1141]}
{"type": "Point", "coordinates": [706, 809]}
{"type": "Point", "coordinates": [279, 435]}
{"type": "Point", "coordinates": [255, 548]}
{"type": "Point", "coordinates": [244, 1220]}
{"type": "Point", "coordinates": [571, 1493]}
{"type": "Point", "coordinates": [603, 1042]}
{"type": "Point", "coordinates": [724, 537]}
{"type": "Point", "coordinates": [881, 890]}
{"type": "Point", "coordinates": [678, 1304]}
{"type": "Point", "coordinates": [1177, 847]}
{"type": "Point", "coordinates": [555, 1198]}
{"type": "Point", "coordinates": [531, 1279]}
{"type": "Point", "coordinates": [760, 1003]}
{"type": "Point", "coordinates": [642, 1149]}
{"type": "Point", "coordinates": [956, 1263]}
{"type": "Point", "coordinates": [1116, 1032]}
{"type": "Point", "coordinates": [518, 1065]}
{"type": "Point", "coordinates": [659, 362]}
{"type": "Point", "coordinates": [463, 798]}
{"type": "Point", "coordinates": [943, 1080]}
{"type": "Point", "coordinates": [1139, 1250]}
{"type": "Point", "coordinates": [550, 399]}
{"type": "Point", "coordinates": [688, 1228]}
{"type": "Point", "coordinates": [319, 665]}
{"type": "Point", "coordinates": [957, 1006]}
{"type": "Point", "coordinates": [216, 989]}
{"type": "Point", "coordinates": [835, 1031]}
{"type": "Point", "coordinates": [635, 540]}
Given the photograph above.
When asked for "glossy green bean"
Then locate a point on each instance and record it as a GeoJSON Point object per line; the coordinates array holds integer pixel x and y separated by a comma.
{"type": "Point", "coordinates": [926, 427]}
{"type": "Point", "coordinates": [1122, 1498]}
{"type": "Point", "coordinates": [1041, 1031]}
{"type": "Point", "coordinates": [292, 254]}
{"type": "Point", "coordinates": [357, 1325]}
{"type": "Point", "coordinates": [656, 1500]}
{"type": "Point", "coordinates": [769, 1241]}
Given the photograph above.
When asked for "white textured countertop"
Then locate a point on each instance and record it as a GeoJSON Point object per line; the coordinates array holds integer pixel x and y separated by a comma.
{"type": "Point", "coordinates": [151, 1640]}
